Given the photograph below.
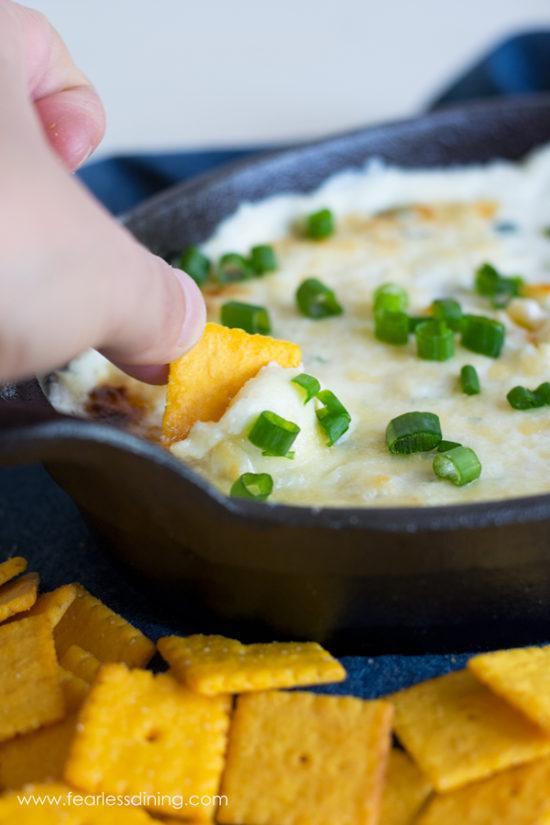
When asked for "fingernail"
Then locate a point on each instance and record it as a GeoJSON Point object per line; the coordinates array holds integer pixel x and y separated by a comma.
{"type": "Point", "coordinates": [195, 312]}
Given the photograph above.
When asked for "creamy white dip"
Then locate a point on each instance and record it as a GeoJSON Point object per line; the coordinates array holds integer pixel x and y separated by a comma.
{"type": "Point", "coordinates": [441, 228]}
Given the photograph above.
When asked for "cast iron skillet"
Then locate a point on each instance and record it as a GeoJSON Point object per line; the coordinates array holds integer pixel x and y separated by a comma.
{"type": "Point", "coordinates": [364, 579]}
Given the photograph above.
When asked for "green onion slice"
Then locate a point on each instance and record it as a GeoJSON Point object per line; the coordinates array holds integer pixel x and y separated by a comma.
{"type": "Point", "coordinates": [448, 310]}
{"type": "Point", "coordinates": [308, 383]}
{"type": "Point", "coordinates": [332, 416]}
{"type": "Point", "coordinates": [251, 318]}
{"type": "Point", "coordinates": [469, 380]}
{"type": "Point", "coordinates": [273, 435]}
{"type": "Point", "coordinates": [320, 225]}
{"type": "Point", "coordinates": [482, 335]}
{"type": "Point", "coordinates": [499, 288]}
{"type": "Point", "coordinates": [543, 392]}
{"type": "Point", "coordinates": [459, 465]}
{"type": "Point", "coordinates": [443, 446]}
{"type": "Point", "coordinates": [316, 300]}
{"type": "Point", "coordinates": [390, 296]}
{"type": "Point", "coordinates": [415, 320]}
{"type": "Point", "coordinates": [520, 398]}
{"type": "Point", "coordinates": [413, 432]}
{"type": "Point", "coordinates": [435, 341]}
{"type": "Point", "coordinates": [391, 327]}
{"type": "Point", "coordinates": [232, 268]}
{"type": "Point", "coordinates": [195, 264]}
{"type": "Point", "coordinates": [262, 259]}
{"type": "Point", "coordinates": [256, 486]}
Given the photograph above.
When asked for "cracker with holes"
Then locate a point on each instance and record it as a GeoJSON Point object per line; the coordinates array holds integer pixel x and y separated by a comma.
{"type": "Point", "coordinates": [518, 796]}
{"type": "Point", "coordinates": [521, 676]}
{"type": "Point", "coordinates": [458, 731]}
{"type": "Point", "coordinates": [55, 603]}
{"type": "Point", "coordinates": [298, 758]}
{"type": "Point", "coordinates": [406, 789]}
{"type": "Point", "coordinates": [139, 732]}
{"type": "Point", "coordinates": [11, 568]}
{"type": "Point", "coordinates": [203, 382]}
{"type": "Point", "coordinates": [18, 595]}
{"type": "Point", "coordinates": [214, 664]}
{"type": "Point", "coordinates": [93, 626]}
{"type": "Point", "coordinates": [30, 690]}
{"type": "Point", "coordinates": [80, 662]}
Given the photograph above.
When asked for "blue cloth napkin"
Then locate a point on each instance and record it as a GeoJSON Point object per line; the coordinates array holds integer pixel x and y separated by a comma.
{"type": "Point", "coordinates": [41, 523]}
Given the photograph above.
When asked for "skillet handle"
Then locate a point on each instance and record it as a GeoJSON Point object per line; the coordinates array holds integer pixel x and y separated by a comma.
{"type": "Point", "coordinates": [28, 433]}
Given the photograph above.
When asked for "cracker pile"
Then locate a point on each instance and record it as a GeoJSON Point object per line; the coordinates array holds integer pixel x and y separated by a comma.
{"type": "Point", "coordinates": [89, 735]}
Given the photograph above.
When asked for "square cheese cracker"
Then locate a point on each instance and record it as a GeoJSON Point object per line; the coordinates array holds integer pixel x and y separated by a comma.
{"type": "Point", "coordinates": [203, 382]}
{"type": "Point", "coordinates": [214, 664]}
{"type": "Point", "coordinates": [141, 733]}
{"type": "Point", "coordinates": [11, 568]}
{"type": "Point", "coordinates": [18, 595]}
{"type": "Point", "coordinates": [458, 731]}
{"type": "Point", "coordinates": [405, 790]}
{"type": "Point", "coordinates": [521, 676]}
{"type": "Point", "coordinates": [55, 603]}
{"type": "Point", "coordinates": [297, 758]}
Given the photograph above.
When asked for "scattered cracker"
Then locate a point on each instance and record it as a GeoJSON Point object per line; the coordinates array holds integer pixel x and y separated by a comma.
{"type": "Point", "coordinates": [214, 664]}
{"type": "Point", "coordinates": [305, 759]}
{"type": "Point", "coordinates": [141, 733]}
{"type": "Point", "coordinates": [93, 626]}
{"type": "Point", "coordinates": [55, 603]}
{"type": "Point", "coordinates": [521, 676]}
{"type": "Point", "coordinates": [30, 691]}
{"type": "Point", "coordinates": [80, 662]}
{"type": "Point", "coordinates": [458, 731]}
{"type": "Point", "coordinates": [39, 756]}
{"type": "Point", "coordinates": [515, 797]}
{"type": "Point", "coordinates": [11, 568]}
{"type": "Point", "coordinates": [18, 595]}
{"type": "Point", "coordinates": [75, 690]}
{"type": "Point", "coordinates": [63, 806]}
{"type": "Point", "coordinates": [405, 791]}
{"type": "Point", "coordinates": [203, 382]}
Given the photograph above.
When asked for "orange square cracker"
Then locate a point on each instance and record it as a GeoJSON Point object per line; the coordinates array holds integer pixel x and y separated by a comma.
{"type": "Point", "coordinates": [38, 756]}
{"type": "Point", "coordinates": [80, 662]}
{"type": "Point", "coordinates": [11, 568]}
{"type": "Point", "coordinates": [298, 758]}
{"type": "Point", "coordinates": [204, 381]}
{"type": "Point", "coordinates": [18, 595]}
{"type": "Point", "coordinates": [141, 733]}
{"type": "Point", "coordinates": [214, 664]}
{"type": "Point", "coordinates": [55, 603]}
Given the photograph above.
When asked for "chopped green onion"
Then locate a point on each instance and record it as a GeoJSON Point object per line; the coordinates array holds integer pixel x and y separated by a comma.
{"type": "Point", "coordinates": [257, 486]}
{"type": "Point", "coordinates": [262, 259]}
{"type": "Point", "coordinates": [546, 231]}
{"type": "Point", "coordinates": [320, 225]}
{"type": "Point", "coordinates": [505, 227]}
{"type": "Point", "coordinates": [469, 380]}
{"type": "Point", "coordinates": [333, 416]}
{"type": "Point", "coordinates": [448, 310]}
{"type": "Point", "coordinates": [413, 432]}
{"type": "Point", "coordinates": [273, 435]}
{"type": "Point", "coordinates": [251, 318]}
{"type": "Point", "coordinates": [195, 264]}
{"type": "Point", "coordinates": [435, 341]}
{"type": "Point", "coordinates": [233, 267]}
{"type": "Point", "coordinates": [520, 398]}
{"type": "Point", "coordinates": [482, 335]}
{"type": "Point", "coordinates": [316, 300]}
{"type": "Point", "coordinates": [415, 320]}
{"type": "Point", "coordinates": [390, 296]}
{"type": "Point", "coordinates": [443, 446]}
{"type": "Point", "coordinates": [459, 465]}
{"type": "Point", "coordinates": [391, 327]}
{"type": "Point", "coordinates": [496, 286]}
{"type": "Point", "coordinates": [308, 383]}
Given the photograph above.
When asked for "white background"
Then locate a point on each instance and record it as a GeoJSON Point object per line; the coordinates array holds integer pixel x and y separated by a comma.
{"type": "Point", "coordinates": [194, 73]}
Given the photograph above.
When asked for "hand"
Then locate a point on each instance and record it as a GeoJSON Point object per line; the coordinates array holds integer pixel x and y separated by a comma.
{"type": "Point", "coordinates": [70, 276]}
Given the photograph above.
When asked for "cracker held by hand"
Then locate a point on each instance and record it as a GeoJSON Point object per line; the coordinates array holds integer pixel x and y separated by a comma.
{"type": "Point", "coordinates": [141, 733]}
{"type": "Point", "coordinates": [93, 626]}
{"type": "Point", "coordinates": [30, 691]}
{"type": "Point", "coordinates": [18, 596]}
{"type": "Point", "coordinates": [204, 381]}
{"type": "Point", "coordinates": [11, 568]}
{"type": "Point", "coordinates": [214, 664]}
{"type": "Point", "coordinates": [519, 796]}
{"type": "Point", "coordinates": [405, 790]}
{"type": "Point", "coordinates": [458, 731]}
{"type": "Point", "coordinates": [55, 603]}
{"type": "Point", "coordinates": [521, 676]}
{"type": "Point", "coordinates": [303, 759]}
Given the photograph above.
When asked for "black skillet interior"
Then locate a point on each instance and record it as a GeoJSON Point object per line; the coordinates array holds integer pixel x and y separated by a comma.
{"type": "Point", "coordinates": [367, 580]}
